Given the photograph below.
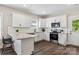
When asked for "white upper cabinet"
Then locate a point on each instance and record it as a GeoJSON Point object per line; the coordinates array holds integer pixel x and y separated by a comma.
{"type": "Point", "coordinates": [49, 21]}
{"type": "Point", "coordinates": [62, 19]}
{"type": "Point", "coordinates": [20, 20]}
{"type": "Point", "coordinates": [42, 22]}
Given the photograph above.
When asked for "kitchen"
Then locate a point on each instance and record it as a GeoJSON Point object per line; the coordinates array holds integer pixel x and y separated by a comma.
{"type": "Point", "coordinates": [26, 28]}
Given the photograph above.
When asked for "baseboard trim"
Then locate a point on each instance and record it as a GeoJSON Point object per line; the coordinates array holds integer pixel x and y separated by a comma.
{"type": "Point", "coordinates": [73, 45]}
{"type": "Point", "coordinates": [39, 41]}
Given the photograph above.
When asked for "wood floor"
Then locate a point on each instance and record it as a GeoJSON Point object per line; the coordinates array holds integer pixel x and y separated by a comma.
{"type": "Point", "coordinates": [47, 48]}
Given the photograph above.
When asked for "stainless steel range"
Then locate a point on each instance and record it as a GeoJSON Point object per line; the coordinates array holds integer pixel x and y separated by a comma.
{"type": "Point", "coordinates": [53, 36]}
{"type": "Point", "coordinates": [55, 30]}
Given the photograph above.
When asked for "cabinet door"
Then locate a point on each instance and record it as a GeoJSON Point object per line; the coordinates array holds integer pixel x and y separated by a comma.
{"type": "Point", "coordinates": [48, 22]}
{"type": "Point", "coordinates": [47, 36]}
{"type": "Point", "coordinates": [62, 39]}
{"type": "Point", "coordinates": [42, 22]}
{"type": "Point", "coordinates": [63, 21]}
{"type": "Point", "coordinates": [27, 21]}
{"type": "Point", "coordinates": [20, 20]}
{"type": "Point", "coordinates": [17, 46]}
{"type": "Point", "coordinates": [39, 37]}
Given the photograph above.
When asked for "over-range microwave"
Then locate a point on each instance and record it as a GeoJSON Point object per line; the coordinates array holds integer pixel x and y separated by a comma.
{"type": "Point", "coordinates": [55, 25]}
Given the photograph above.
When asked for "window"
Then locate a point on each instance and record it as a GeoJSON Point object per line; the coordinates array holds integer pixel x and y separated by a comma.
{"type": "Point", "coordinates": [35, 23]}
{"type": "Point", "coordinates": [75, 25]}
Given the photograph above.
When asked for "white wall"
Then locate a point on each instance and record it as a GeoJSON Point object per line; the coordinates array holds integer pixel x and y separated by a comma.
{"type": "Point", "coordinates": [7, 18]}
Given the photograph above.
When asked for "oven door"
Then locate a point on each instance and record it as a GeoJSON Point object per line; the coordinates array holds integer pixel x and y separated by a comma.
{"type": "Point", "coordinates": [53, 36]}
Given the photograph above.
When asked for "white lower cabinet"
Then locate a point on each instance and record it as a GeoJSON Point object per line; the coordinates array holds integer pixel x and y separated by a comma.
{"type": "Point", "coordinates": [24, 46]}
{"type": "Point", "coordinates": [46, 36]}
{"type": "Point", "coordinates": [17, 46]}
{"type": "Point", "coordinates": [36, 38]}
{"type": "Point", "coordinates": [62, 38]}
{"type": "Point", "coordinates": [27, 46]}
{"type": "Point", "coordinates": [39, 36]}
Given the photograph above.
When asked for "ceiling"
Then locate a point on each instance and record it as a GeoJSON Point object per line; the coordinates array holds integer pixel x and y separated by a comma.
{"type": "Point", "coordinates": [40, 9]}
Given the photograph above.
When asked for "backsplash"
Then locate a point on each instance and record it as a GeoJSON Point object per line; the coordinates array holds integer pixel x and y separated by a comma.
{"type": "Point", "coordinates": [22, 30]}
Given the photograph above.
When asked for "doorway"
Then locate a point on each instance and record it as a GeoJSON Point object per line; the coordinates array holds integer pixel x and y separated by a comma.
{"type": "Point", "coordinates": [73, 30]}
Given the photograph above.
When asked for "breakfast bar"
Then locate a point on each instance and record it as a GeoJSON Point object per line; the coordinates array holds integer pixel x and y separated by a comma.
{"type": "Point", "coordinates": [23, 43]}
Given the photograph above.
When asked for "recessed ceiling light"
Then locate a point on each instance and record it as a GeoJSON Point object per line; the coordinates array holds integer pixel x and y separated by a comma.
{"type": "Point", "coordinates": [24, 5]}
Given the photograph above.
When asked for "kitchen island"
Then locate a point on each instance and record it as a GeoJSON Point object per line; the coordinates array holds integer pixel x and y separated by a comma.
{"type": "Point", "coordinates": [23, 43]}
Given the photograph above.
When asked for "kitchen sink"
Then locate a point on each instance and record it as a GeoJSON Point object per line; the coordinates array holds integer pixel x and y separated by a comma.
{"type": "Point", "coordinates": [32, 33]}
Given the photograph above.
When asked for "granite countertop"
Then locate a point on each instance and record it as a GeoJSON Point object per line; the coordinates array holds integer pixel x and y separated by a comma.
{"type": "Point", "coordinates": [21, 36]}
